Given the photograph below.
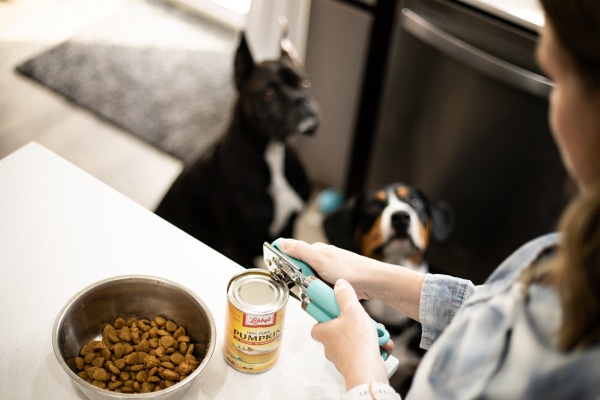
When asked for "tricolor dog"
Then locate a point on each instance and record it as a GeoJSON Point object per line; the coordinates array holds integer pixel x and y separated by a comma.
{"type": "Point", "coordinates": [393, 223]}
{"type": "Point", "coordinates": [250, 187]}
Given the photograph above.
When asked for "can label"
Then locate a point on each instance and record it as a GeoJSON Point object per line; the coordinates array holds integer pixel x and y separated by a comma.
{"type": "Point", "coordinates": [254, 321]}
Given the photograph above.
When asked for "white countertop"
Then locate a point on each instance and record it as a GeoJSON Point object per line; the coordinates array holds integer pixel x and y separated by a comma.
{"type": "Point", "coordinates": [62, 230]}
{"type": "Point", "coordinates": [527, 13]}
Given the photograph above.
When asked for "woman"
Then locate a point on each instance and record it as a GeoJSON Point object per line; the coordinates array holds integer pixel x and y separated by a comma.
{"type": "Point", "coordinates": [533, 329]}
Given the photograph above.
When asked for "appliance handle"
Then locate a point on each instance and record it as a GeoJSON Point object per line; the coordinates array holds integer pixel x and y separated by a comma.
{"type": "Point", "coordinates": [488, 64]}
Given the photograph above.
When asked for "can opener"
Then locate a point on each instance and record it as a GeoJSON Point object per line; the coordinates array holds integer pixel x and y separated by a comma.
{"type": "Point", "coordinates": [316, 297]}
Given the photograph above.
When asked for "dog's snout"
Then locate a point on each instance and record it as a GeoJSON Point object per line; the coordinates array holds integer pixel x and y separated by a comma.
{"type": "Point", "coordinates": [400, 221]}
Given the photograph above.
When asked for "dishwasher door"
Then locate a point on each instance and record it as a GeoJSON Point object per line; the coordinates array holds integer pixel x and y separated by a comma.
{"type": "Point", "coordinates": [464, 117]}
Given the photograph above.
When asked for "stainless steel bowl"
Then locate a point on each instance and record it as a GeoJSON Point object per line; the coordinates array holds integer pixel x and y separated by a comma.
{"type": "Point", "coordinates": [83, 318]}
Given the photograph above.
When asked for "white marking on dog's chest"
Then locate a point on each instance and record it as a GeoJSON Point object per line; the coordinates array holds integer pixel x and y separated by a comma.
{"type": "Point", "coordinates": [285, 199]}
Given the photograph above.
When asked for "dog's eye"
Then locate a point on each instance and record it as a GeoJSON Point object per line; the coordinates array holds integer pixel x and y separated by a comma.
{"type": "Point", "coordinates": [416, 203]}
{"type": "Point", "coordinates": [305, 83]}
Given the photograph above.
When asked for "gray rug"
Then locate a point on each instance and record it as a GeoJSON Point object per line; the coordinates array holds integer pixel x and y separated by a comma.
{"type": "Point", "coordinates": [151, 69]}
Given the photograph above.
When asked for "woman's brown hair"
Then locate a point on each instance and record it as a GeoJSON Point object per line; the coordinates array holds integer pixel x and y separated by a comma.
{"type": "Point", "coordinates": [575, 272]}
{"type": "Point", "coordinates": [576, 24]}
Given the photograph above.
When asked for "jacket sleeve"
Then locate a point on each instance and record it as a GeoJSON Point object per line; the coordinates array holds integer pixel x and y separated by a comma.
{"type": "Point", "coordinates": [441, 297]}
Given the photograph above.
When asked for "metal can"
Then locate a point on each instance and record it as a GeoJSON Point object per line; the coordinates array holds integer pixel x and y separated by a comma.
{"type": "Point", "coordinates": [254, 320]}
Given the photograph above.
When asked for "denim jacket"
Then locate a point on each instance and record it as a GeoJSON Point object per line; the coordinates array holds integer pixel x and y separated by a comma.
{"type": "Point", "coordinates": [497, 340]}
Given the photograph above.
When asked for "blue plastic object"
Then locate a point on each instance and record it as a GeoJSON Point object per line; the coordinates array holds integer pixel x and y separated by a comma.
{"type": "Point", "coordinates": [329, 200]}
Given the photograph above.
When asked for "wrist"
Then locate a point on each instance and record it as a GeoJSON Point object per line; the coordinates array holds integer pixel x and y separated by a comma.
{"type": "Point", "coordinates": [365, 372]}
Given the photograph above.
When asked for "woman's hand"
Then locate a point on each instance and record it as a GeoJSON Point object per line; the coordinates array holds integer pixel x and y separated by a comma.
{"type": "Point", "coordinates": [351, 341]}
{"type": "Point", "coordinates": [331, 263]}
{"type": "Point", "coordinates": [396, 286]}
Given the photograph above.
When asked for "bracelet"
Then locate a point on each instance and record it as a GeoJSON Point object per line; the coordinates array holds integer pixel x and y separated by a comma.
{"type": "Point", "coordinates": [385, 391]}
{"type": "Point", "coordinates": [372, 391]}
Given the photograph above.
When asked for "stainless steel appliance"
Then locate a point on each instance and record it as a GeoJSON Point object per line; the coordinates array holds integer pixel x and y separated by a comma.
{"type": "Point", "coordinates": [463, 116]}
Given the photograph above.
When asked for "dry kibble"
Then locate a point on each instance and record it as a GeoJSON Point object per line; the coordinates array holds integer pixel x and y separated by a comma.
{"type": "Point", "coordinates": [169, 374]}
{"type": "Point", "coordinates": [119, 323]}
{"type": "Point", "coordinates": [168, 342]}
{"type": "Point", "coordinates": [120, 363]}
{"type": "Point", "coordinates": [118, 350]}
{"type": "Point", "coordinates": [171, 327]}
{"type": "Point", "coordinates": [137, 356]}
{"type": "Point", "coordinates": [89, 357]}
{"type": "Point", "coordinates": [98, 362]}
{"type": "Point", "coordinates": [110, 333]}
{"type": "Point", "coordinates": [99, 384]}
{"type": "Point", "coordinates": [112, 368]}
{"type": "Point", "coordinates": [178, 332]}
{"type": "Point", "coordinates": [100, 375]}
{"type": "Point", "coordinates": [176, 358]}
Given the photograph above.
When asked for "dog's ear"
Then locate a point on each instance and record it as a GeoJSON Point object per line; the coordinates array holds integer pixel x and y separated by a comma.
{"type": "Point", "coordinates": [442, 218]}
{"type": "Point", "coordinates": [243, 63]}
{"type": "Point", "coordinates": [339, 226]}
{"type": "Point", "coordinates": [287, 48]}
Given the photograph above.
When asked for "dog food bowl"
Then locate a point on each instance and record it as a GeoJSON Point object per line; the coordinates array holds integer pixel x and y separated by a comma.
{"type": "Point", "coordinates": [84, 317]}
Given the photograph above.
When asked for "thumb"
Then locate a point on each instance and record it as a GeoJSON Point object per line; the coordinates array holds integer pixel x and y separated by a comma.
{"type": "Point", "coordinates": [345, 295]}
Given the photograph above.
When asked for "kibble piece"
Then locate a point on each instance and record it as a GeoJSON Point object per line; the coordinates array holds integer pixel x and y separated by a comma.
{"type": "Point", "coordinates": [118, 350]}
{"type": "Point", "coordinates": [115, 385]}
{"type": "Point", "coordinates": [120, 363]}
{"type": "Point", "coordinates": [168, 342]}
{"type": "Point", "coordinates": [141, 376]}
{"type": "Point", "coordinates": [183, 347]}
{"type": "Point", "coordinates": [170, 326]}
{"type": "Point", "coordinates": [176, 358]}
{"type": "Point", "coordinates": [147, 387]}
{"type": "Point", "coordinates": [179, 332]}
{"type": "Point", "coordinates": [162, 332]}
{"type": "Point", "coordinates": [110, 333]}
{"type": "Point", "coordinates": [169, 375]}
{"type": "Point", "coordinates": [99, 384]}
{"type": "Point", "coordinates": [120, 323]}
{"type": "Point", "coordinates": [98, 362]}
{"type": "Point", "coordinates": [183, 339]}
{"type": "Point", "coordinates": [124, 334]}
{"type": "Point", "coordinates": [89, 357]}
{"type": "Point", "coordinates": [79, 363]}
{"type": "Point", "coordinates": [112, 368]}
{"type": "Point", "coordinates": [143, 345]}
{"type": "Point", "coordinates": [127, 348]}
{"type": "Point", "coordinates": [151, 361]}
{"type": "Point", "coordinates": [184, 368]}
{"type": "Point", "coordinates": [100, 375]}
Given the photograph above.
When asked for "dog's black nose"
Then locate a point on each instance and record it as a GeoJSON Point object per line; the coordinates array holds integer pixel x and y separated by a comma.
{"type": "Point", "coordinates": [302, 102]}
{"type": "Point", "coordinates": [400, 221]}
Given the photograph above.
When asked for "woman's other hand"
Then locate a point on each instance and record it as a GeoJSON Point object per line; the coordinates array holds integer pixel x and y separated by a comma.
{"type": "Point", "coordinates": [351, 341]}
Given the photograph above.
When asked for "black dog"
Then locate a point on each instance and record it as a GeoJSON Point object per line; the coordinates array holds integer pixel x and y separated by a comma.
{"type": "Point", "coordinates": [250, 187]}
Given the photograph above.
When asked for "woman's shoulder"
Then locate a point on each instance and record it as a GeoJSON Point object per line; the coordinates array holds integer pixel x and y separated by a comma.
{"type": "Point", "coordinates": [523, 257]}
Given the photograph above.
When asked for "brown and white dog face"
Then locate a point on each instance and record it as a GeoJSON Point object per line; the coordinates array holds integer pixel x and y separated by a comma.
{"type": "Point", "coordinates": [393, 223]}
